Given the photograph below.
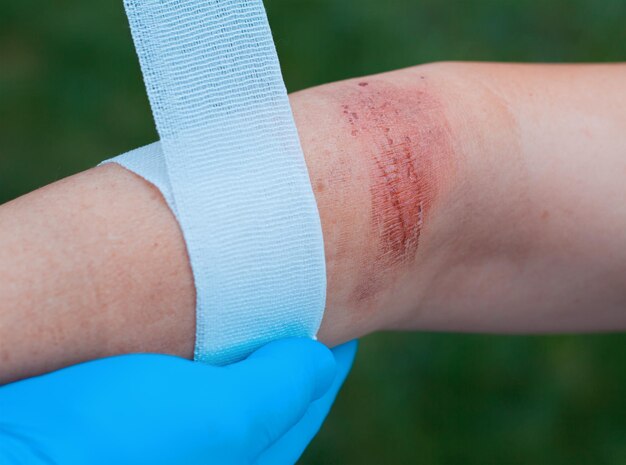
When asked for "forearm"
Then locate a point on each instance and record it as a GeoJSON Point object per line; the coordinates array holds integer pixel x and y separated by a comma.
{"type": "Point", "coordinates": [93, 265]}
{"type": "Point", "coordinates": [448, 196]}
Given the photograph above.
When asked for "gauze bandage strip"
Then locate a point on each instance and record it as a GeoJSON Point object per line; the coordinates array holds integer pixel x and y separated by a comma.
{"type": "Point", "coordinates": [233, 172]}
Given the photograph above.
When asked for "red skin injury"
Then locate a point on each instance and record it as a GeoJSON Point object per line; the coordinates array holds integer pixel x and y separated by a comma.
{"type": "Point", "coordinates": [406, 137]}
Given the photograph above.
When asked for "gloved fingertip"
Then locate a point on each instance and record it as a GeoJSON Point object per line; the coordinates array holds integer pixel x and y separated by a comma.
{"type": "Point", "coordinates": [326, 370]}
{"type": "Point", "coordinates": [346, 351]}
{"type": "Point", "coordinates": [320, 366]}
{"type": "Point", "coordinates": [290, 446]}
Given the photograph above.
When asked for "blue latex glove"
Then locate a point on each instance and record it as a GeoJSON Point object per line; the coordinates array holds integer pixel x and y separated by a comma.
{"type": "Point", "coordinates": [164, 410]}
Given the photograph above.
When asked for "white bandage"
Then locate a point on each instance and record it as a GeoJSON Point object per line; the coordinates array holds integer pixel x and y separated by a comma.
{"type": "Point", "coordinates": [230, 165]}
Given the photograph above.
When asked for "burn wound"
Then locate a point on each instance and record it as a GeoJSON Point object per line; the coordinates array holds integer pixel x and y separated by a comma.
{"type": "Point", "coordinates": [405, 135]}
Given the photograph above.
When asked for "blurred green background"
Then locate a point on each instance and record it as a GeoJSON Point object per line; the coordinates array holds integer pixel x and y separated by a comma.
{"type": "Point", "coordinates": [71, 95]}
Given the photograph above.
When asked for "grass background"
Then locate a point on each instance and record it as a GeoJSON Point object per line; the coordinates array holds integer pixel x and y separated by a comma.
{"type": "Point", "coordinates": [71, 94]}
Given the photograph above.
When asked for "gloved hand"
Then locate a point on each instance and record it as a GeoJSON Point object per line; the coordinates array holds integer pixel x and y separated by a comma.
{"type": "Point", "coordinates": [164, 410]}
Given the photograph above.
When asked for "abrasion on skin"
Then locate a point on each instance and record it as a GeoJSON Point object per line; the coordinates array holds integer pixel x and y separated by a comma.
{"type": "Point", "coordinates": [405, 135]}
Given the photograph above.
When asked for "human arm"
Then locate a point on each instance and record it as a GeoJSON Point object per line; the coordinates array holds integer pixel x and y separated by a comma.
{"type": "Point", "coordinates": [453, 197]}
{"type": "Point", "coordinates": [480, 197]}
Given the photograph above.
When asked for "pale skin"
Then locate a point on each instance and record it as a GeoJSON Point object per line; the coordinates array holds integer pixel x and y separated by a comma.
{"type": "Point", "coordinates": [453, 197]}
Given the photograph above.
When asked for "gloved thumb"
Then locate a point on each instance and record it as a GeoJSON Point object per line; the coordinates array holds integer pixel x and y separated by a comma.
{"type": "Point", "coordinates": [282, 379]}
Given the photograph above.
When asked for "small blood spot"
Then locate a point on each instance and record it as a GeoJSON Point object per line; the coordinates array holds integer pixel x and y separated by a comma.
{"type": "Point", "coordinates": [363, 84]}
